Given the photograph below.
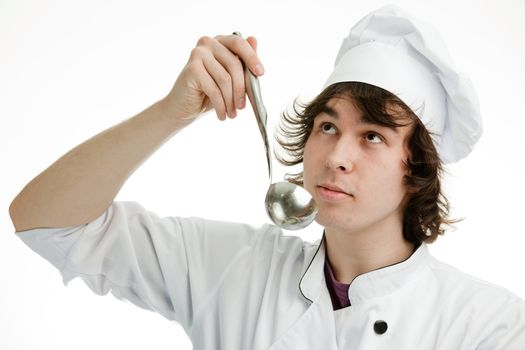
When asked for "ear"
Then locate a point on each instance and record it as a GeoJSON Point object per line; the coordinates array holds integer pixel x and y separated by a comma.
{"type": "Point", "coordinates": [412, 190]}
{"type": "Point", "coordinates": [410, 187]}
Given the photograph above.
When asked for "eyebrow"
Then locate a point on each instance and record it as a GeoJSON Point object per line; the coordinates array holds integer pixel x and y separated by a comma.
{"type": "Point", "coordinates": [330, 111]}
{"type": "Point", "coordinates": [333, 113]}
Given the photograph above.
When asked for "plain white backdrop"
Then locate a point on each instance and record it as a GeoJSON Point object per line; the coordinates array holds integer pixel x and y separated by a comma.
{"type": "Point", "coordinates": [70, 69]}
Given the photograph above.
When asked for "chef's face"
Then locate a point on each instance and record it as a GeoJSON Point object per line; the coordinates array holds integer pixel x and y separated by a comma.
{"type": "Point", "coordinates": [355, 169]}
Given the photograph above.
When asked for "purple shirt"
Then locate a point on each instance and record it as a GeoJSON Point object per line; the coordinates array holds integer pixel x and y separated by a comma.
{"type": "Point", "coordinates": [338, 291]}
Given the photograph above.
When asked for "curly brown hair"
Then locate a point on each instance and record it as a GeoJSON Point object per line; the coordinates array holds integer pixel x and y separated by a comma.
{"type": "Point", "coordinates": [427, 208]}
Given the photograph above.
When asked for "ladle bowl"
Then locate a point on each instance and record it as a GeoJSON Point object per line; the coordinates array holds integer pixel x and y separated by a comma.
{"type": "Point", "coordinates": [289, 206]}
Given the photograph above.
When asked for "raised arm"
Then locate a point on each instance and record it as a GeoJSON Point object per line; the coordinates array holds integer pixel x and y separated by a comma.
{"type": "Point", "coordinates": [83, 183]}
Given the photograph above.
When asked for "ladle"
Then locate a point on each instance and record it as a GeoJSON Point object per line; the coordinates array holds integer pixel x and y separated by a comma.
{"type": "Point", "coordinates": [289, 206]}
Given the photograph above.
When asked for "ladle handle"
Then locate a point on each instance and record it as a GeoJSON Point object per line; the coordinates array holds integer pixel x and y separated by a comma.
{"type": "Point", "coordinates": [253, 91]}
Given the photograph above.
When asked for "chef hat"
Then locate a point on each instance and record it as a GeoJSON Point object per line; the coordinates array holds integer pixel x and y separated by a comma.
{"type": "Point", "coordinates": [390, 49]}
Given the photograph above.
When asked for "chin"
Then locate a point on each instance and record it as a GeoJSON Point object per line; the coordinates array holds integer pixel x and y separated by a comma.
{"type": "Point", "coordinates": [333, 220]}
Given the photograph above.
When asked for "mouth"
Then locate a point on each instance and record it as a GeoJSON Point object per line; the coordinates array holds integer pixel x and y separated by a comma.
{"type": "Point", "coordinates": [332, 193]}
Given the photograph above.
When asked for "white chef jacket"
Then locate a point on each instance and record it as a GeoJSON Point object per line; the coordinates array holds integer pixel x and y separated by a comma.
{"type": "Point", "coordinates": [233, 286]}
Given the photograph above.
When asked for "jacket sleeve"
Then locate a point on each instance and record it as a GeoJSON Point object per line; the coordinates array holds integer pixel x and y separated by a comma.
{"type": "Point", "coordinates": [167, 265]}
{"type": "Point", "coordinates": [506, 329]}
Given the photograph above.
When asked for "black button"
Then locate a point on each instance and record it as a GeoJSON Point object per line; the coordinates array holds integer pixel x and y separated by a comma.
{"type": "Point", "coordinates": [380, 327]}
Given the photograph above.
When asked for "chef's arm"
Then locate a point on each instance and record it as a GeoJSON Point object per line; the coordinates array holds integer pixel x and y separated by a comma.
{"type": "Point", "coordinates": [83, 183]}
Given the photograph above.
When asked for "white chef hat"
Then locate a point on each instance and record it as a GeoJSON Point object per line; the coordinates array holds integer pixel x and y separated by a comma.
{"type": "Point", "coordinates": [390, 49]}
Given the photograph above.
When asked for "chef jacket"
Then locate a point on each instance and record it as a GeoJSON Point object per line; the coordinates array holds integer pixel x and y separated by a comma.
{"type": "Point", "coordinates": [233, 286]}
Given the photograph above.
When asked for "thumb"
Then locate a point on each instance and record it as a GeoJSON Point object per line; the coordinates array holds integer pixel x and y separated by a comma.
{"type": "Point", "coordinates": [252, 41]}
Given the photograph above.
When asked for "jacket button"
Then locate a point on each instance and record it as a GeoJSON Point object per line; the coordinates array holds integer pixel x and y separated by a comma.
{"type": "Point", "coordinates": [380, 327]}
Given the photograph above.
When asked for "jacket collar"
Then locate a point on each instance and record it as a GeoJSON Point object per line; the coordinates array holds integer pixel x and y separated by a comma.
{"type": "Point", "coordinates": [376, 283]}
{"type": "Point", "coordinates": [313, 278]}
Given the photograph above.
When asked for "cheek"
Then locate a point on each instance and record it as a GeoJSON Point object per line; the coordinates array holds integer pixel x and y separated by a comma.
{"type": "Point", "coordinates": [390, 173]}
{"type": "Point", "coordinates": [306, 154]}
{"type": "Point", "coordinates": [308, 159]}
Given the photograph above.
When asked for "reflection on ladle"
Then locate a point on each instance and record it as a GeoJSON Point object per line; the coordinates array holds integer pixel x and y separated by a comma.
{"type": "Point", "coordinates": [289, 206]}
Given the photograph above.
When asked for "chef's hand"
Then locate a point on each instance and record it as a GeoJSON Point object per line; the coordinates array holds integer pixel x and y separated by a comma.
{"type": "Point", "coordinates": [213, 77]}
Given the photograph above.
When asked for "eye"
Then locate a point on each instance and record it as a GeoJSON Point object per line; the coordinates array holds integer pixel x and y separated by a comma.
{"type": "Point", "coordinates": [328, 128]}
{"type": "Point", "coordinates": [372, 137]}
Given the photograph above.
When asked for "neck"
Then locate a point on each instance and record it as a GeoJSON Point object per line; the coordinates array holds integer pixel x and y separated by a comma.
{"type": "Point", "coordinates": [354, 253]}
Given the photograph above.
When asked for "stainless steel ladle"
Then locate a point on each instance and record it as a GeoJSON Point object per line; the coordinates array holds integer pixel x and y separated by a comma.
{"type": "Point", "coordinates": [289, 206]}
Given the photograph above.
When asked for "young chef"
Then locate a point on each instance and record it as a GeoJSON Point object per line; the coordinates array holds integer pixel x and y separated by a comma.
{"type": "Point", "coordinates": [371, 145]}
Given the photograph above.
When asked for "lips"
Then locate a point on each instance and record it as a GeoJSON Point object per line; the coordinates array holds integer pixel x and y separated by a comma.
{"type": "Point", "coordinates": [334, 188]}
{"type": "Point", "coordinates": [332, 192]}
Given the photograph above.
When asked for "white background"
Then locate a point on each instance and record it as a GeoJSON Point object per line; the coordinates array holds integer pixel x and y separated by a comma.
{"type": "Point", "coordinates": [69, 69]}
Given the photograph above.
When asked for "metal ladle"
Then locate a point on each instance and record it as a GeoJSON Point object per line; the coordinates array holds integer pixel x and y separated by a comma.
{"type": "Point", "coordinates": [289, 206]}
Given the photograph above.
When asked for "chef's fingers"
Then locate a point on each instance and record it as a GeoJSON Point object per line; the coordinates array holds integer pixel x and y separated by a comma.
{"type": "Point", "coordinates": [221, 78]}
{"type": "Point", "coordinates": [244, 50]}
{"type": "Point", "coordinates": [221, 59]}
{"type": "Point", "coordinates": [253, 42]}
{"type": "Point", "coordinates": [234, 98]}
{"type": "Point", "coordinates": [209, 87]}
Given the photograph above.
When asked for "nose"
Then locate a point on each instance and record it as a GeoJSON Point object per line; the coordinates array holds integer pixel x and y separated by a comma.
{"type": "Point", "coordinates": [341, 157]}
